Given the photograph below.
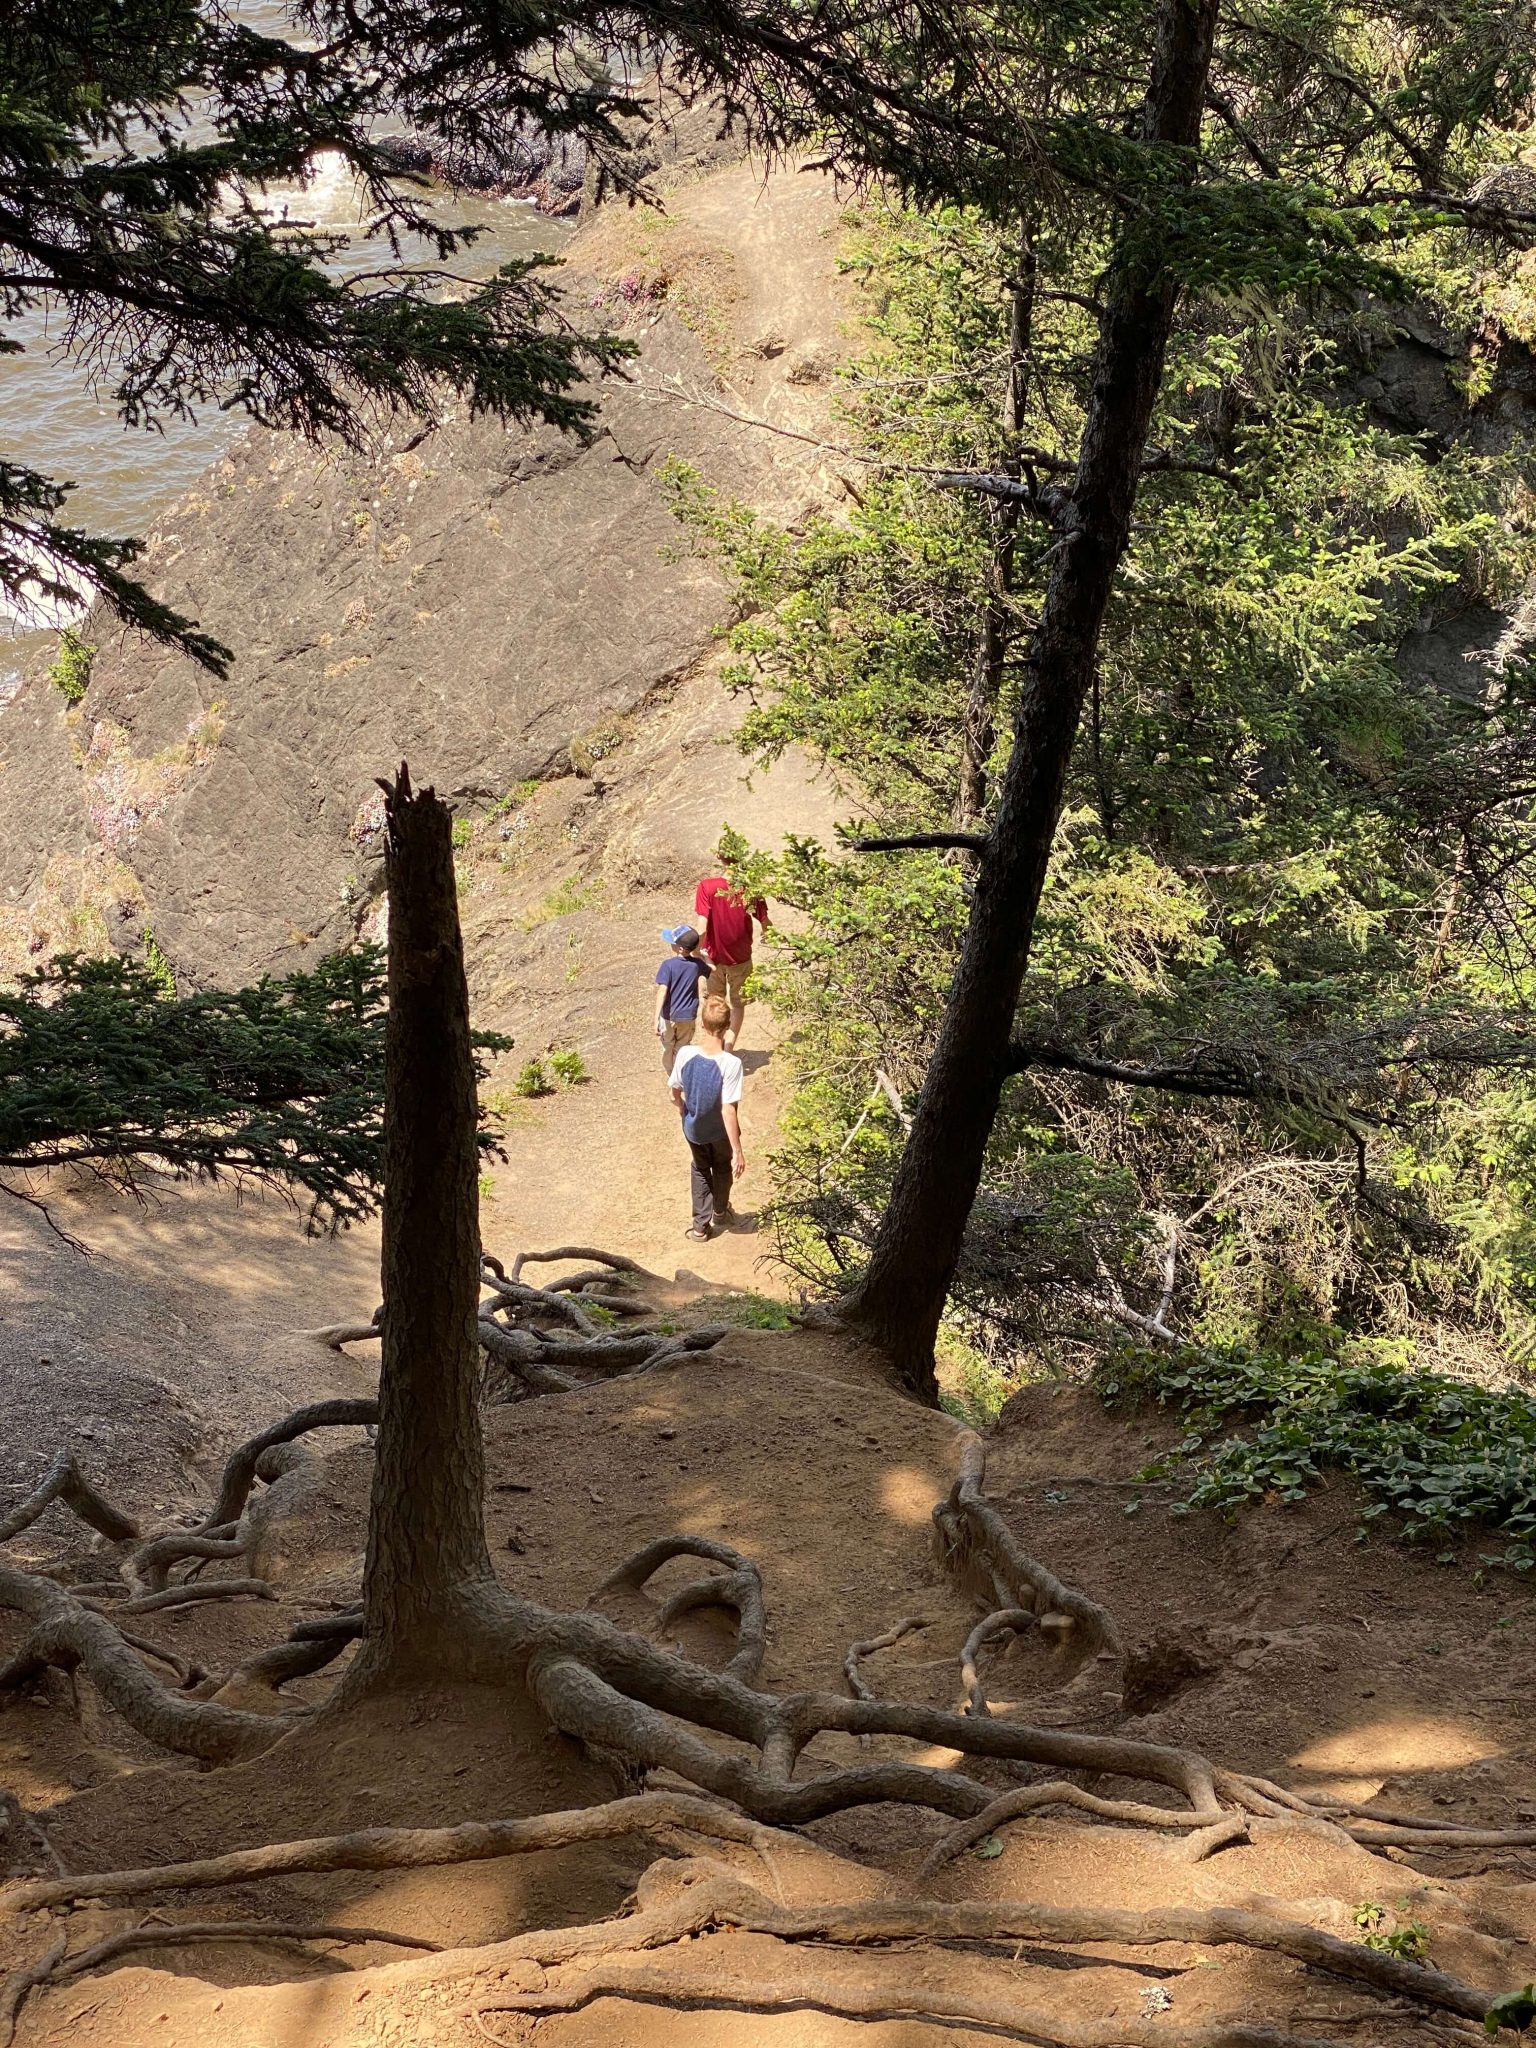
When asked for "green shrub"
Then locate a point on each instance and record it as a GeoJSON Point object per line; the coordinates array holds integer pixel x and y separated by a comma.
{"type": "Point", "coordinates": [487, 1186]}
{"type": "Point", "coordinates": [571, 895]}
{"type": "Point", "coordinates": [532, 1078]}
{"type": "Point", "coordinates": [463, 833]}
{"type": "Point", "coordinates": [752, 1311]}
{"type": "Point", "coordinates": [569, 1067]}
{"type": "Point", "coordinates": [1444, 1455]}
{"type": "Point", "coordinates": [160, 969]}
{"type": "Point", "coordinates": [71, 670]}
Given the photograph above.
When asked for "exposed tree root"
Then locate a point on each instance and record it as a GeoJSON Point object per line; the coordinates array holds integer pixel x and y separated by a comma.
{"type": "Point", "coordinates": [660, 1814]}
{"type": "Point", "coordinates": [311, 1645]}
{"type": "Point", "coordinates": [739, 1588]}
{"type": "Point", "coordinates": [64, 1481]}
{"type": "Point", "coordinates": [336, 1336]}
{"type": "Point", "coordinates": [59, 1967]}
{"type": "Point", "coordinates": [614, 1262]}
{"type": "Point", "coordinates": [979, 1550]}
{"type": "Point", "coordinates": [227, 1530]}
{"type": "Point", "coordinates": [725, 1903]}
{"type": "Point", "coordinates": [817, 1992]}
{"type": "Point", "coordinates": [71, 1636]}
{"type": "Point", "coordinates": [240, 1468]}
{"type": "Point", "coordinates": [855, 1654]}
{"type": "Point", "coordinates": [1026, 1799]}
{"type": "Point", "coordinates": [547, 1340]}
{"type": "Point", "coordinates": [190, 1596]}
{"type": "Point", "coordinates": [23, 1836]}
{"type": "Point", "coordinates": [1002, 1621]}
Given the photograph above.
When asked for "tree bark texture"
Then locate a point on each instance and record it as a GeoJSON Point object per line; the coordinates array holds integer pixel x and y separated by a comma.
{"type": "Point", "coordinates": [426, 1536]}
{"type": "Point", "coordinates": [917, 1248]}
{"type": "Point", "coordinates": [979, 730]}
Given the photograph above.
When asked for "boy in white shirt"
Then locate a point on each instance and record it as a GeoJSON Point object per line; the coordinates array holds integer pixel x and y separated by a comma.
{"type": "Point", "coordinates": [706, 1086]}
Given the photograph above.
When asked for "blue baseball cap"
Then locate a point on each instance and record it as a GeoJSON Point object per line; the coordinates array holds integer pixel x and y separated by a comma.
{"type": "Point", "coordinates": [674, 934]}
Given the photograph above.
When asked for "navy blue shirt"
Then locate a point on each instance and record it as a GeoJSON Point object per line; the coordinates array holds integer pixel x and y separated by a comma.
{"type": "Point", "coordinates": [680, 977]}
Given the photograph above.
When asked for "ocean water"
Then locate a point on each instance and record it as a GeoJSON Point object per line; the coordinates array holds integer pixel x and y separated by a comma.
{"type": "Point", "coordinates": [57, 415]}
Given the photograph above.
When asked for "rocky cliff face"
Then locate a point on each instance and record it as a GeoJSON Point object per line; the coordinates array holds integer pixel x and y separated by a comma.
{"type": "Point", "coordinates": [486, 603]}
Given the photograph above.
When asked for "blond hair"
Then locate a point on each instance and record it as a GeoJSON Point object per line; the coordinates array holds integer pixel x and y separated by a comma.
{"type": "Point", "coordinates": [715, 1014]}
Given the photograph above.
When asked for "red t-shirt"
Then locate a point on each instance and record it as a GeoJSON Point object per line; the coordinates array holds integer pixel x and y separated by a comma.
{"type": "Point", "coordinates": [727, 921]}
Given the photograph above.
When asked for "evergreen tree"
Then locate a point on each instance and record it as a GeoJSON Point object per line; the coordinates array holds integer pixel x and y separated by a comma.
{"type": "Point", "coordinates": [104, 1067]}
{"type": "Point", "coordinates": [1270, 978]}
{"type": "Point", "coordinates": [137, 136]}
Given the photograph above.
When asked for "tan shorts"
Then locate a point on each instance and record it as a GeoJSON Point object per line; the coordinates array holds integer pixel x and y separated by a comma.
{"type": "Point", "coordinates": [676, 1032]}
{"type": "Point", "coordinates": [730, 980]}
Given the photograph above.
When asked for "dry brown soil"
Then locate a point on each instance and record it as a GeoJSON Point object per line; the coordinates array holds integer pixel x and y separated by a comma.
{"type": "Point", "coordinates": [1272, 1643]}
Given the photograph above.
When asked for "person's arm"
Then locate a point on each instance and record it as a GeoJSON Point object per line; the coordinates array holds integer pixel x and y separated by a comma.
{"type": "Point", "coordinates": [732, 1116]}
{"type": "Point", "coordinates": [702, 897]}
{"type": "Point", "coordinates": [661, 997]}
{"type": "Point", "coordinates": [760, 912]}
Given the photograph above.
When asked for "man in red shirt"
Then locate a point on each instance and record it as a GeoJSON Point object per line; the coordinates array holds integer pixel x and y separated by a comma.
{"type": "Point", "coordinates": [723, 918]}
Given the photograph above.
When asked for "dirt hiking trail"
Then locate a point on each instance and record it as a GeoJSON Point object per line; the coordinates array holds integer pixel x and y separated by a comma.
{"type": "Point", "coordinates": [1364, 1679]}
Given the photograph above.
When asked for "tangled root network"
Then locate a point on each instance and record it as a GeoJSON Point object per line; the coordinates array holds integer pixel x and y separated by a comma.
{"type": "Point", "coordinates": [658, 1712]}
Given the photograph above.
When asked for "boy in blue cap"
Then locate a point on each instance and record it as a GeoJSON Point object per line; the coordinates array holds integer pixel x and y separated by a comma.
{"type": "Point", "coordinates": [677, 992]}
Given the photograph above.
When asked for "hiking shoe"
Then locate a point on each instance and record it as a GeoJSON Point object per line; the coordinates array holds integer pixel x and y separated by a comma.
{"type": "Point", "coordinates": [721, 1218]}
{"type": "Point", "coordinates": [699, 1236]}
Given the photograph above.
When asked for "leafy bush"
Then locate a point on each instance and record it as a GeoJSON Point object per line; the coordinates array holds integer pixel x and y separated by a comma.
{"type": "Point", "coordinates": [752, 1312]}
{"type": "Point", "coordinates": [1408, 1941]}
{"type": "Point", "coordinates": [563, 900]}
{"type": "Point", "coordinates": [532, 1078]}
{"type": "Point", "coordinates": [463, 833]}
{"type": "Point", "coordinates": [70, 674]}
{"type": "Point", "coordinates": [160, 969]}
{"type": "Point", "coordinates": [569, 1067]}
{"type": "Point", "coordinates": [1445, 1455]}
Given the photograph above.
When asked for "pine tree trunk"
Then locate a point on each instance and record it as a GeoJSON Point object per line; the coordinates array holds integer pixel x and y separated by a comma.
{"type": "Point", "coordinates": [918, 1245]}
{"type": "Point", "coordinates": [426, 1537]}
{"type": "Point", "coordinates": [979, 727]}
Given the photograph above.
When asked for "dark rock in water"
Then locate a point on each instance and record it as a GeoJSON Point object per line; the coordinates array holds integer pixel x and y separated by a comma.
{"type": "Point", "coordinates": [548, 170]}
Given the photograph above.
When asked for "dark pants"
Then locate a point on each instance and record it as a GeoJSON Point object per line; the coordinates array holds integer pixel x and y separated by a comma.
{"type": "Point", "coordinates": [711, 1180]}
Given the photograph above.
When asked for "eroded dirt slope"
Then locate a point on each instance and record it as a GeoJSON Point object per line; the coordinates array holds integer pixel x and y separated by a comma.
{"type": "Point", "coordinates": [1271, 1643]}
